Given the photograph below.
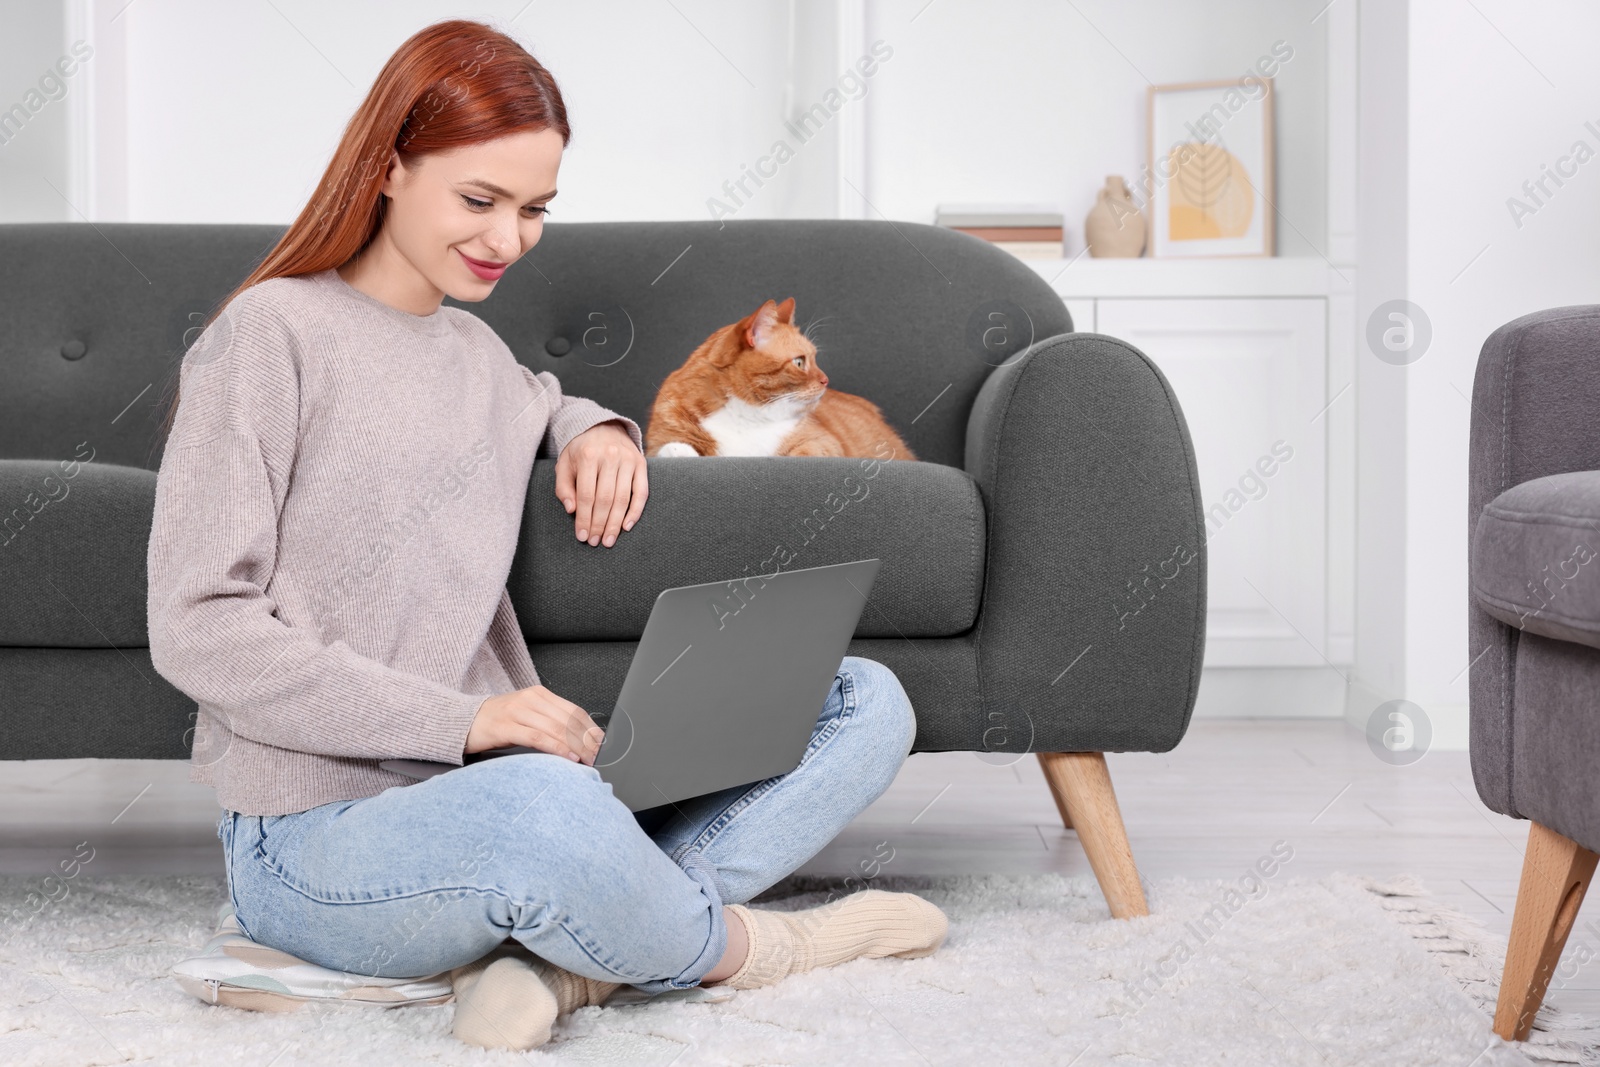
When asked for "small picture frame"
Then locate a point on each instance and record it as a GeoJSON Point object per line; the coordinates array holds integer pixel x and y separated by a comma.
{"type": "Point", "coordinates": [1211, 175]}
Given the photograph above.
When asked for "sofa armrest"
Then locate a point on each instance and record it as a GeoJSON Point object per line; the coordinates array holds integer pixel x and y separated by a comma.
{"type": "Point", "coordinates": [1534, 393]}
{"type": "Point", "coordinates": [1532, 557]}
{"type": "Point", "coordinates": [1091, 632]}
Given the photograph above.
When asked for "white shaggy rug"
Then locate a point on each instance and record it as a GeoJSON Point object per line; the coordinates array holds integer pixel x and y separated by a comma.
{"type": "Point", "coordinates": [1340, 971]}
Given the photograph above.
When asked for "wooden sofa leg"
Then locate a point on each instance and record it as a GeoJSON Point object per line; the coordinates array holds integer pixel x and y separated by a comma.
{"type": "Point", "coordinates": [1081, 785]}
{"type": "Point", "coordinates": [1555, 874]}
{"type": "Point", "coordinates": [1056, 791]}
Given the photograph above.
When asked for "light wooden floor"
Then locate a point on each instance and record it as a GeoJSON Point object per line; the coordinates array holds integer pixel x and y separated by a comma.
{"type": "Point", "coordinates": [1207, 810]}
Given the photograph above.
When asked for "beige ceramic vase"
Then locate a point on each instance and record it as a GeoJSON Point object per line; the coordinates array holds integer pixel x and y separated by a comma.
{"type": "Point", "coordinates": [1115, 227]}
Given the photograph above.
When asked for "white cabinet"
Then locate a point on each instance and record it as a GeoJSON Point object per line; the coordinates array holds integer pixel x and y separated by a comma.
{"type": "Point", "coordinates": [1250, 375]}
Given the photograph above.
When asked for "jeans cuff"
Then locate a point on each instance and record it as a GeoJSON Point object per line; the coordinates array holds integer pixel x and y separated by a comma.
{"type": "Point", "coordinates": [697, 867]}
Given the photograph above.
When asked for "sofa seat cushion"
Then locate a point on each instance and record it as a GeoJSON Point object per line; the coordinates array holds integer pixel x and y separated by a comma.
{"type": "Point", "coordinates": [1536, 557]}
{"type": "Point", "coordinates": [716, 518]}
{"type": "Point", "coordinates": [73, 535]}
{"type": "Point", "coordinates": [73, 548]}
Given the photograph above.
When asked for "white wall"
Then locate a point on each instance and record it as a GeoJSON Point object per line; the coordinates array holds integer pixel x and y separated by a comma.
{"type": "Point", "coordinates": [1380, 394]}
{"type": "Point", "coordinates": [232, 111]}
{"type": "Point", "coordinates": [33, 158]}
{"type": "Point", "coordinates": [1492, 97]}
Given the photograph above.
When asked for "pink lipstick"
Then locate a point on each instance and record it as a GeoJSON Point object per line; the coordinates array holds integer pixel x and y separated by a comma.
{"type": "Point", "coordinates": [485, 270]}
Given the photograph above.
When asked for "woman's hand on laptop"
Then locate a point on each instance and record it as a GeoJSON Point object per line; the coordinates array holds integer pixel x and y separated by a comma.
{"type": "Point", "coordinates": [536, 718]}
{"type": "Point", "coordinates": [601, 481]}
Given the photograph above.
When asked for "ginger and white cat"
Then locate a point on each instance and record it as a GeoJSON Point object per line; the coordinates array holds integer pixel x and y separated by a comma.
{"type": "Point", "coordinates": [753, 388]}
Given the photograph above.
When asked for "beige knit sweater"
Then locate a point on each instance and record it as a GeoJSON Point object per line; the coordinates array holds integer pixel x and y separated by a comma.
{"type": "Point", "coordinates": [336, 512]}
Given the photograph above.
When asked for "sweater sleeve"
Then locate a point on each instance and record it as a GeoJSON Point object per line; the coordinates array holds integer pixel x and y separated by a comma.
{"type": "Point", "coordinates": [215, 632]}
{"type": "Point", "coordinates": [571, 415]}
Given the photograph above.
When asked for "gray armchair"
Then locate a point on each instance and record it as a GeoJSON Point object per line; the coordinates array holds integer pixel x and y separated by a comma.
{"type": "Point", "coordinates": [1534, 624]}
{"type": "Point", "coordinates": [1043, 580]}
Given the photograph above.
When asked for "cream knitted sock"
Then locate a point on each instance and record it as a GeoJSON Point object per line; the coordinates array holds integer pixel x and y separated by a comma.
{"type": "Point", "coordinates": [873, 923]}
{"type": "Point", "coordinates": [501, 1003]}
{"type": "Point", "coordinates": [513, 1000]}
{"type": "Point", "coordinates": [573, 991]}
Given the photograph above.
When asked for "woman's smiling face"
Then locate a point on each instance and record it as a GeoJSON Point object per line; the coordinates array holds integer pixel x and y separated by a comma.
{"type": "Point", "coordinates": [459, 218]}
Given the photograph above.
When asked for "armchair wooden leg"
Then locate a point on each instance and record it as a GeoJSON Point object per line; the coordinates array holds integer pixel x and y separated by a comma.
{"type": "Point", "coordinates": [1081, 785]}
{"type": "Point", "coordinates": [1555, 874]}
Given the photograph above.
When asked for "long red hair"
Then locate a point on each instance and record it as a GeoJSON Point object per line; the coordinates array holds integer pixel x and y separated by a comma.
{"type": "Point", "coordinates": [452, 84]}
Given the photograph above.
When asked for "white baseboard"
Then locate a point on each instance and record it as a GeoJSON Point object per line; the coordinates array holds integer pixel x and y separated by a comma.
{"type": "Point", "coordinates": [1312, 693]}
{"type": "Point", "coordinates": [1447, 722]}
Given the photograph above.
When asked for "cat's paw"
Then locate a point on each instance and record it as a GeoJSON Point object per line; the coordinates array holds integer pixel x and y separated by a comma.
{"type": "Point", "coordinates": [676, 448]}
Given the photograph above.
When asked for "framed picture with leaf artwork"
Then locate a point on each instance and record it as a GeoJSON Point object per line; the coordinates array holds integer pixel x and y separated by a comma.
{"type": "Point", "coordinates": [1210, 176]}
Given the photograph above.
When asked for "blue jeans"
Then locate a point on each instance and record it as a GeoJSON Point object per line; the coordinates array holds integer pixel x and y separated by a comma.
{"type": "Point", "coordinates": [425, 877]}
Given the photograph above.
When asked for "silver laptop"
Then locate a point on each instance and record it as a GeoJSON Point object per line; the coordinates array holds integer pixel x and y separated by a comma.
{"type": "Point", "coordinates": [725, 686]}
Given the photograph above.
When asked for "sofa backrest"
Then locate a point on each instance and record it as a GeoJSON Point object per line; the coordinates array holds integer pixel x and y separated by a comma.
{"type": "Point", "coordinates": [94, 318]}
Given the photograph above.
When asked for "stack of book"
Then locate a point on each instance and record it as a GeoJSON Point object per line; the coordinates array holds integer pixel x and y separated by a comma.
{"type": "Point", "coordinates": [1028, 231]}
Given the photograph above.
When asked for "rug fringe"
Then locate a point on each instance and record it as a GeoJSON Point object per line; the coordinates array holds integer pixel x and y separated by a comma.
{"type": "Point", "coordinates": [1474, 959]}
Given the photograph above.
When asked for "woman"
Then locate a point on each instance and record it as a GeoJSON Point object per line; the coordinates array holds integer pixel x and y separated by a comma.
{"type": "Point", "coordinates": [336, 511]}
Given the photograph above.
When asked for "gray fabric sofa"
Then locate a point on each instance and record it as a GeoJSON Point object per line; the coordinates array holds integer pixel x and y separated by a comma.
{"type": "Point", "coordinates": [1043, 580]}
{"type": "Point", "coordinates": [1534, 624]}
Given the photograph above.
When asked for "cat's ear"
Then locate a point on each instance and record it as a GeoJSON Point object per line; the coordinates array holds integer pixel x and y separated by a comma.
{"type": "Point", "coordinates": [786, 311]}
{"type": "Point", "coordinates": [761, 323]}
